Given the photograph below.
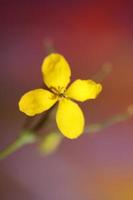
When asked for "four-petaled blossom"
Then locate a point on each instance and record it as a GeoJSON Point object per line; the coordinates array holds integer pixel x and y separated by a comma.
{"type": "Point", "coordinates": [56, 75]}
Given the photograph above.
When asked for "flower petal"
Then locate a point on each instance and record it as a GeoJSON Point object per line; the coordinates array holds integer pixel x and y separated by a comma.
{"type": "Point", "coordinates": [70, 119]}
{"type": "Point", "coordinates": [56, 72]}
{"type": "Point", "coordinates": [36, 101]}
{"type": "Point", "coordinates": [82, 90]}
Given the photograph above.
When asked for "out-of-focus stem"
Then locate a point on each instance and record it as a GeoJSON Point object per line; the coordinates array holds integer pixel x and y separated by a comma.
{"type": "Point", "coordinates": [49, 46]}
{"type": "Point", "coordinates": [96, 127]}
{"type": "Point", "coordinates": [25, 137]}
{"type": "Point", "coordinates": [102, 73]}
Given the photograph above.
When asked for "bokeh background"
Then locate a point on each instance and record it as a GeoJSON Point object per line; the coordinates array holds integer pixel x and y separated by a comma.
{"type": "Point", "coordinates": [89, 34]}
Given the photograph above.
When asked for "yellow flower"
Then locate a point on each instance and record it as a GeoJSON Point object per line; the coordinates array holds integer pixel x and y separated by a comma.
{"type": "Point", "coordinates": [56, 75]}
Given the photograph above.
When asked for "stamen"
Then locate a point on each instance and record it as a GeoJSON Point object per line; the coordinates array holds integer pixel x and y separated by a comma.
{"type": "Point", "coordinates": [54, 90]}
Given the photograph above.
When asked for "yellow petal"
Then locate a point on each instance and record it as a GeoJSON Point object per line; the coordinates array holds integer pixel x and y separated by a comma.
{"type": "Point", "coordinates": [70, 119]}
{"type": "Point", "coordinates": [82, 90]}
{"type": "Point", "coordinates": [36, 101]}
{"type": "Point", "coordinates": [56, 72]}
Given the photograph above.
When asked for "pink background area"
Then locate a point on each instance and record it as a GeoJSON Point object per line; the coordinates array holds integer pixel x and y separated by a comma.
{"type": "Point", "coordinates": [88, 34]}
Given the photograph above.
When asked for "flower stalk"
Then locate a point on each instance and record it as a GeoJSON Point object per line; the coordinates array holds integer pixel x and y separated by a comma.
{"type": "Point", "coordinates": [26, 137]}
{"type": "Point", "coordinates": [118, 118]}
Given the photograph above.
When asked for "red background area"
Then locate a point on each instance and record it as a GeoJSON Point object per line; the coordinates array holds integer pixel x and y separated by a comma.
{"type": "Point", "coordinates": [88, 34]}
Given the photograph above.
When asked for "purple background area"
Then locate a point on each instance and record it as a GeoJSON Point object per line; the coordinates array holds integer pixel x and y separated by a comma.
{"type": "Point", "coordinates": [88, 34]}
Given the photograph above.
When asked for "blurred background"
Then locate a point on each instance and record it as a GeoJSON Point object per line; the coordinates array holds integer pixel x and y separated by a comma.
{"type": "Point", "coordinates": [89, 34]}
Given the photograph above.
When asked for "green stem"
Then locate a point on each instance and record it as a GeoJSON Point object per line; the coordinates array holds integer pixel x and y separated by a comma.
{"type": "Point", "coordinates": [26, 137]}
{"type": "Point", "coordinates": [103, 72]}
{"type": "Point", "coordinates": [97, 127]}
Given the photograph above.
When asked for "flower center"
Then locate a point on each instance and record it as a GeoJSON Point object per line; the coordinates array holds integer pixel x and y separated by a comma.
{"type": "Point", "coordinates": [60, 92]}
